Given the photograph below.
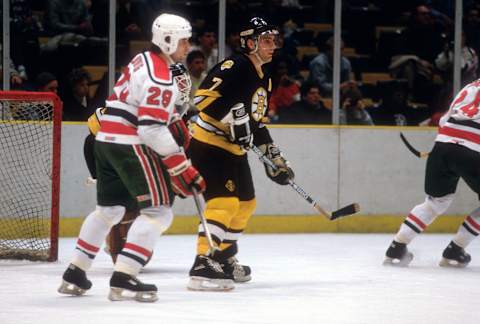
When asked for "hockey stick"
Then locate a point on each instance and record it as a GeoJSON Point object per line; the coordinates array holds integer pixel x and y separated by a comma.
{"type": "Point", "coordinates": [208, 235]}
{"type": "Point", "coordinates": [412, 149]}
{"type": "Point", "coordinates": [344, 211]}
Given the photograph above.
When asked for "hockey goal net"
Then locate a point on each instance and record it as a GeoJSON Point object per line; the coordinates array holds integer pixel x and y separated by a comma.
{"type": "Point", "coordinates": [30, 126]}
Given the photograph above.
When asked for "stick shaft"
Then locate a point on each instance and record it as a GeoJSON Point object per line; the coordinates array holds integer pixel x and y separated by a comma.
{"type": "Point", "coordinates": [292, 184]}
{"type": "Point", "coordinates": [208, 235]}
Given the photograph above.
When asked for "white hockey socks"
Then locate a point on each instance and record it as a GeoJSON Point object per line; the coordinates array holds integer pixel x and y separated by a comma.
{"type": "Point", "coordinates": [469, 230]}
{"type": "Point", "coordinates": [139, 246]}
{"type": "Point", "coordinates": [93, 232]}
{"type": "Point", "coordinates": [421, 216]}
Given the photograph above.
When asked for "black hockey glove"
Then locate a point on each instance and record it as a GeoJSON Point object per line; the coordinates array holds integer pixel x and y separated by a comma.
{"type": "Point", "coordinates": [283, 173]}
{"type": "Point", "coordinates": [240, 126]}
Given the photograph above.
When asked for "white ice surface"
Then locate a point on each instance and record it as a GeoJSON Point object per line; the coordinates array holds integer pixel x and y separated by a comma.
{"type": "Point", "coordinates": [306, 278]}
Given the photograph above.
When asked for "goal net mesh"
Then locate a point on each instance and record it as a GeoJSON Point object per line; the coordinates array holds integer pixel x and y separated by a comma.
{"type": "Point", "coordinates": [29, 132]}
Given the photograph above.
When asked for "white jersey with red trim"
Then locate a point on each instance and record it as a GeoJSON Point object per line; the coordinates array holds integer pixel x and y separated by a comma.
{"type": "Point", "coordinates": [461, 124]}
{"type": "Point", "coordinates": [144, 95]}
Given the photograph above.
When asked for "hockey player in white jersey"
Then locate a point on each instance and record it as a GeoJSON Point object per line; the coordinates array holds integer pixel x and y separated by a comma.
{"type": "Point", "coordinates": [137, 157]}
{"type": "Point", "coordinates": [455, 155]}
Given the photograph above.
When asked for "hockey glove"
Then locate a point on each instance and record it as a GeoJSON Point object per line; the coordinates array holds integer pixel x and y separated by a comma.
{"type": "Point", "coordinates": [240, 127]}
{"type": "Point", "coordinates": [283, 173]}
{"type": "Point", "coordinates": [180, 132]}
{"type": "Point", "coordinates": [183, 175]}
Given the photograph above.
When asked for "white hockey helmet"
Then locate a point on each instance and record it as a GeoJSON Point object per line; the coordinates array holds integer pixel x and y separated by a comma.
{"type": "Point", "coordinates": [167, 30]}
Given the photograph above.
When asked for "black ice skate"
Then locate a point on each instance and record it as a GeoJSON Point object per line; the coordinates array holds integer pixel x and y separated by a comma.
{"type": "Point", "coordinates": [126, 287]}
{"type": "Point", "coordinates": [455, 256]}
{"type": "Point", "coordinates": [398, 255]}
{"type": "Point", "coordinates": [74, 281]}
{"type": "Point", "coordinates": [235, 270]}
{"type": "Point", "coordinates": [206, 274]}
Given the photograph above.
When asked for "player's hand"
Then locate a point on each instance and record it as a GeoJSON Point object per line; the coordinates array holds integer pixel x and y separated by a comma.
{"type": "Point", "coordinates": [282, 174]}
{"type": "Point", "coordinates": [183, 175]}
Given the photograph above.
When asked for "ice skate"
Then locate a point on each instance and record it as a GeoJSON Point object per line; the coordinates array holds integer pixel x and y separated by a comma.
{"type": "Point", "coordinates": [74, 281]}
{"type": "Point", "coordinates": [455, 256]}
{"type": "Point", "coordinates": [207, 275]}
{"type": "Point", "coordinates": [235, 270]}
{"type": "Point", "coordinates": [126, 287]}
{"type": "Point", "coordinates": [398, 255]}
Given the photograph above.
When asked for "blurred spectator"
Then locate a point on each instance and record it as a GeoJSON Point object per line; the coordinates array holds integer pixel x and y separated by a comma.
{"type": "Point", "coordinates": [133, 20]}
{"type": "Point", "coordinates": [232, 42]}
{"type": "Point", "coordinates": [469, 62]}
{"type": "Point", "coordinates": [76, 101]}
{"type": "Point", "coordinates": [471, 26]}
{"type": "Point", "coordinates": [207, 44]}
{"type": "Point", "coordinates": [69, 21]}
{"type": "Point", "coordinates": [285, 91]}
{"type": "Point", "coordinates": [423, 39]}
{"type": "Point", "coordinates": [321, 70]}
{"type": "Point", "coordinates": [395, 109]}
{"type": "Point", "coordinates": [24, 31]}
{"type": "Point", "coordinates": [46, 82]}
{"type": "Point", "coordinates": [353, 109]}
{"type": "Point", "coordinates": [197, 68]}
{"type": "Point", "coordinates": [310, 110]}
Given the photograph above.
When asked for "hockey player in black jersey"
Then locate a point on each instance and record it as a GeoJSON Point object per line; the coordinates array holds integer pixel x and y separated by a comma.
{"type": "Point", "coordinates": [232, 103]}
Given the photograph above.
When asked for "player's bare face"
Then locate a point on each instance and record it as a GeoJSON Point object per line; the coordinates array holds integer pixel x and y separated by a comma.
{"type": "Point", "coordinates": [267, 44]}
{"type": "Point", "coordinates": [183, 48]}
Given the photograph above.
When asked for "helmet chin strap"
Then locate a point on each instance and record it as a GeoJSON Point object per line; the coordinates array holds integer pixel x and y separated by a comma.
{"type": "Point", "coordinates": [259, 58]}
{"type": "Point", "coordinates": [255, 53]}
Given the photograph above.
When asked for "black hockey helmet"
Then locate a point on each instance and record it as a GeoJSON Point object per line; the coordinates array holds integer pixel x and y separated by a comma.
{"type": "Point", "coordinates": [255, 27]}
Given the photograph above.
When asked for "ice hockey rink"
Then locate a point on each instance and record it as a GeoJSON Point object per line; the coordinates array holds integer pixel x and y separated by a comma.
{"type": "Point", "coordinates": [304, 278]}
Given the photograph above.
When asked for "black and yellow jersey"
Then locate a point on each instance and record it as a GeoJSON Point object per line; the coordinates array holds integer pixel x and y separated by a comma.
{"type": "Point", "coordinates": [233, 80]}
{"type": "Point", "coordinates": [93, 121]}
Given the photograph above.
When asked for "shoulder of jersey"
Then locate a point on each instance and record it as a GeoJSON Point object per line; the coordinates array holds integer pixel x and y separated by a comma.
{"type": "Point", "coordinates": [232, 63]}
{"type": "Point", "coordinates": [156, 67]}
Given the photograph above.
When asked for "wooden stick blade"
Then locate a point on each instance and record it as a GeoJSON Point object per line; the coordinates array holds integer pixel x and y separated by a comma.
{"type": "Point", "coordinates": [345, 211]}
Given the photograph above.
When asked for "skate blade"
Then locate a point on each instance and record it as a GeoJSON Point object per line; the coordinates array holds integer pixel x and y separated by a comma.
{"type": "Point", "coordinates": [204, 284]}
{"type": "Point", "coordinates": [242, 279]}
{"type": "Point", "coordinates": [451, 263]}
{"type": "Point", "coordinates": [403, 262]}
{"type": "Point", "coordinates": [68, 288]}
{"type": "Point", "coordinates": [120, 294]}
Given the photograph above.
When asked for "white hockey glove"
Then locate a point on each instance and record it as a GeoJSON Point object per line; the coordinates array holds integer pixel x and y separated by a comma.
{"type": "Point", "coordinates": [283, 173]}
{"type": "Point", "coordinates": [240, 126]}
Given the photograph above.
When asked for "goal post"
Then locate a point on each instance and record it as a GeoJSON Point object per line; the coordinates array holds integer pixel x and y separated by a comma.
{"type": "Point", "coordinates": [30, 145]}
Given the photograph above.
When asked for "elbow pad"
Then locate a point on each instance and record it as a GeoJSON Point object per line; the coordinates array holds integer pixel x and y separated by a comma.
{"type": "Point", "coordinates": [159, 138]}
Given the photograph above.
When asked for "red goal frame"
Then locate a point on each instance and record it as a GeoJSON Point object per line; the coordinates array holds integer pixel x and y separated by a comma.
{"type": "Point", "coordinates": [56, 156]}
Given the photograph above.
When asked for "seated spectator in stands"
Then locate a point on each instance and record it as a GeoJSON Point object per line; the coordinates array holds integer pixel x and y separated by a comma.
{"type": "Point", "coordinates": [207, 44]}
{"type": "Point", "coordinates": [76, 103]}
{"type": "Point", "coordinates": [69, 21]}
{"type": "Point", "coordinates": [285, 91]}
{"type": "Point", "coordinates": [46, 82]}
{"type": "Point", "coordinates": [395, 109]}
{"type": "Point", "coordinates": [196, 66]}
{"type": "Point", "coordinates": [321, 70]}
{"type": "Point", "coordinates": [133, 20]}
{"type": "Point", "coordinates": [24, 31]}
{"type": "Point", "coordinates": [232, 42]}
{"type": "Point", "coordinates": [422, 40]}
{"type": "Point", "coordinates": [353, 109]}
{"type": "Point", "coordinates": [310, 110]}
{"type": "Point", "coordinates": [287, 51]}
{"type": "Point", "coordinates": [468, 61]}
{"type": "Point", "coordinates": [471, 26]}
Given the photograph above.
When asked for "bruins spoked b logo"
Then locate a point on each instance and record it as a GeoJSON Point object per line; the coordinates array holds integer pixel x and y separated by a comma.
{"type": "Point", "coordinates": [259, 103]}
{"type": "Point", "coordinates": [230, 185]}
